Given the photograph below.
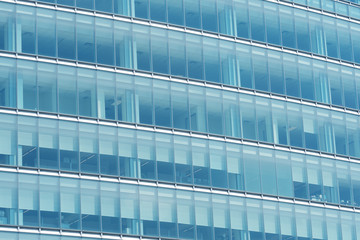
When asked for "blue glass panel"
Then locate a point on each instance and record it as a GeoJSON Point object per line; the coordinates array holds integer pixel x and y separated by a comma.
{"type": "Point", "coordinates": [162, 104]}
{"type": "Point", "coordinates": [280, 129]}
{"type": "Point", "coordinates": [27, 142]}
{"type": "Point", "coordinates": [110, 207]}
{"type": "Point", "coordinates": [165, 158]}
{"type": "Point", "coordinates": [194, 57]}
{"type": "Point", "coordinates": [335, 84]}
{"type": "Point", "coordinates": [49, 202]}
{"type": "Point", "coordinates": [46, 32]}
{"type": "Point", "coordinates": [346, 51]}
{"type": "Point", "coordinates": [104, 41]}
{"type": "Point", "coordinates": [66, 2]}
{"type": "Point", "coordinates": [192, 13]}
{"type": "Point", "coordinates": [88, 146]}
{"type": "Point", "coordinates": [125, 98]}
{"type": "Point", "coordinates": [123, 45]}
{"type": "Point", "coordinates": [182, 157]}
{"type": "Point", "coordinates": [85, 38]}
{"type": "Point", "coordinates": [295, 122]}
{"type": "Point", "coordinates": [144, 97]}
{"type": "Point", "coordinates": [260, 70]}
{"type": "Point", "coordinates": [299, 176]}
{"type": "Point", "coordinates": [251, 169]}
{"type": "Point", "coordinates": [287, 27]}
{"type": "Point", "coordinates": [90, 205]}
{"type": "Point", "coordinates": [146, 155]}
{"type": "Point", "coordinates": [8, 204]}
{"type": "Point", "coordinates": [127, 153]}
{"type": "Point", "coordinates": [272, 24]}
{"type": "Point", "coordinates": [7, 23]}
{"type": "Point", "coordinates": [158, 10]}
{"type": "Point", "coordinates": [218, 166]}
{"type": "Point", "coordinates": [257, 21]}
{"type": "Point", "coordinates": [28, 200]}
{"type": "Point", "coordinates": [106, 95]}
{"type": "Point", "coordinates": [242, 18]}
{"type": "Point", "coordinates": [65, 35]}
{"type": "Point", "coordinates": [330, 34]}
{"type": "Point", "coordinates": [211, 60]}
{"type": "Point", "coordinates": [226, 17]}
{"type": "Point", "coordinates": [200, 158]}
{"type": "Point", "coordinates": [248, 118]}
{"type": "Point", "coordinates": [355, 37]}
{"type": "Point", "coordinates": [86, 84]}
{"type": "Point", "coordinates": [142, 8]}
{"type": "Point", "coordinates": [306, 79]}
{"type": "Point", "coordinates": [108, 151]}
{"type": "Point", "coordinates": [283, 174]}
{"type": "Point", "coordinates": [87, 4]}
{"type": "Point", "coordinates": [160, 54]}
{"type": "Point", "coordinates": [70, 203]}
{"type": "Point", "coordinates": [245, 61]}
{"type": "Point", "coordinates": [48, 144]}
{"type": "Point", "coordinates": [311, 134]}
{"type": "Point", "coordinates": [180, 106]}
{"type": "Point", "coordinates": [177, 53]}
{"type": "Point", "coordinates": [275, 73]}
{"type": "Point", "coordinates": [348, 82]}
{"type": "Point", "coordinates": [104, 5]}
{"type": "Point", "coordinates": [231, 115]}
{"type": "Point", "coordinates": [302, 31]}
{"type": "Point", "coordinates": [175, 12]}
{"type": "Point", "coordinates": [149, 211]}
{"type": "Point", "coordinates": [209, 15]}
{"type": "Point", "coordinates": [68, 101]}
{"type": "Point", "coordinates": [142, 50]}
{"type": "Point", "coordinates": [46, 81]}
{"type": "Point", "coordinates": [123, 7]}
{"type": "Point", "coordinates": [25, 22]}
{"type": "Point", "coordinates": [291, 76]}
{"type": "Point", "coordinates": [129, 208]}
{"type": "Point", "coordinates": [197, 104]}
{"type": "Point", "coordinates": [235, 167]}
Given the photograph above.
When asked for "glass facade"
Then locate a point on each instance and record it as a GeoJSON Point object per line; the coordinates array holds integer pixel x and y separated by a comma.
{"type": "Point", "coordinates": [179, 119]}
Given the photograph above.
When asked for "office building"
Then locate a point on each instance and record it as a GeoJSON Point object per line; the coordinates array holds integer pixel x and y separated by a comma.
{"type": "Point", "coordinates": [179, 119]}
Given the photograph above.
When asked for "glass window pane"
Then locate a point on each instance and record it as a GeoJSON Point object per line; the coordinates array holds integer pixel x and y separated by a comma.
{"type": "Point", "coordinates": [90, 205]}
{"type": "Point", "coordinates": [144, 101]}
{"type": "Point", "coordinates": [209, 15]}
{"type": "Point", "coordinates": [69, 146]}
{"type": "Point", "coordinates": [158, 10]}
{"type": "Point", "coordinates": [68, 101]}
{"type": "Point", "coordinates": [66, 35]}
{"type": "Point", "coordinates": [160, 54]}
{"type": "Point", "coordinates": [104, 41]}
{"type": "Point", "coordinates": [88, 146]}
{"type": "Point", "coordinates": [7, 82]}
{"type": "Point", "coordinates": [46, 80]}
{"type": "Point", "coordinates": [49, 202]}
{"type": "Point", "coordinates": [46, 32]}
{"type": "Point", "coordinates": [108, 150]}
{"type": "Point", "coordinates": [192, 13]}
{"type": "Point", "coordinates": [28, 200]}
{"type": "Point", "coordinates": [85, 38]}
{"type": "Point", "coordinates": [175, 12]}
{"type": "Point", "coordinates": [86, 83]}
{"type": "Point", "coordinates": [106, 95]}
{"type": "Point", "coordinates": [142, 50]}
{"type": "Point", "coordinates": [25, 24]}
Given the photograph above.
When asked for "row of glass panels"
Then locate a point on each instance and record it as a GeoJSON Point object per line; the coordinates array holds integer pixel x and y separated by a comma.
{"type": "Point", "coordinates": [224, 16]}
{"type": "Point", "coordinates": [36, 236]}
{"type": "Point", "coordinates": [67, 203]}
{"type": "Point", "coordinates": [170, 52]}
{"type": "Point", "coordinates": [88, 148]}
{"type": "Point", "coordinates": [106, 95]}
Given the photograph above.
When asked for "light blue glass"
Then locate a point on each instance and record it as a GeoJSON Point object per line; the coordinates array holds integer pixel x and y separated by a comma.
{"type": "Point", "coordinates": [287, 27]}
{"type": "Point", "coordinates": [231, 114]}
{"type": "Point", "coordinates": [7, 23]}
{"type": "Point", "coordinates": [49, 202]}
{"type": "Point", "coordinates": [268, 173]}
{"type": "Point", "coordinates": [280, 126]}
{"type": "Point", "coordinates": [299, 176]}
{"type": "Point", "coordinates": [8, 203]}
{"type": "Point", "coordinates": [243, 55]}
{"type": "Point", "coordinates": [334, 76]}
{"type": "Point", "coordinates": [164, 157]}
{"type": "Point", "coordinates": [355, 181]}
{"type": "Point", "coordinates": [70, 203]}
{"type": "Point", "coordinates": [68, 100]}
{"type": "Point", "coordinates": [141, 8]}
{"type": "Point", "coordinates": [257, 21]}
{"type": "Point", "coordinates": [26, 85]}
{"type": "Point", "coordinates": [271, 220]}
{"type": "Point", "coordinates": [46, 81]}
{"type": "Point", "coordinates": [144, 100]}
{"type": "Point", "coordinates": [272, 21]}
{"type": "Point", "coordinates": [291, 76]}
{"type": "Point", "coordinates": [182, 159]}
{"type": "Point", "coordinates": [146, 154]}
{"type": "Point", "coordinates": [322, 93]}
{"type": "Point", "coordinates": [306, 78]}
{"type": "Point", "coordinates": [104, 41]}
{"type": "Point", "coordinates": [160, 54]}
{"type": "Point", "coordinates": [129, 208]}
{"type": "Point", "coordinates": [228, 63]}
{"type": "Point", "coordinates": [327, 5]}
{"type": "Point", "coordinates": [123, 7]}
{"type": "Point", "coordinates": [89, 148]}
{"type": "Point", "coordinates": [186, 214]}
{"type": "Point", "coordinates": [203, 216]}
{"type": "Point", "coordinates": [295, 125]}
{"type": "Point", "coordinates": [264, 120]}
{"type": "Point", "coordinates": [302, 30]}
{"type": "Point", "coordinates": [194, 56]}
{"type": "Point", "coordinates": [197, 104]}
{"type": "Point", "coordinates": [106, 95]}
{"type": "Point", "coordinates": [235, 166]}
{"type": "Point", "coordinates": [238, 218]}
{"type": "Point", "coordinates": [127, 153]}
{"type": "Point", "coordinates": [276, 73]}
{"type": "Point", "coordinates": [158, 10]}
{"type": "Point", "coordinates": [303, 223]}
{"type": "Point", "coordinates": [162, 103]}
{"type": "Point", "coordinates": [85, 37]}
{"type": "Point", "coordinates": [149, 216]}
{"type": "Point", "coordinates": [66, 45]}
{"type": "Point", "coordinates": [214, 112]}
{"type": "Point", "coordinates": [260, 68]}
{"type": "Point", "coordinates": [142, 50]}
{"type": "Point", "coordinates": [255, 222]}
{"type": "Point", "coordinates": [221, 217]}
{"type": "Point", "coordinates": [69, 146]}
{"type": "Point", "coordinates": [104, 5]}
{"type": "Point", "coordinates": [318, 227]}
{"type": "Point", "coordinates": [211, 60]}
{"type": "Point", "coordinates": [339, 133]}
{"type": "Point", "coordinates": [226, 17]}
{"type": "Point", "coordinates": [209, 15]}
{"type": "Point", "coordinates": [110, 207]}
{"type": "Point", "coordinates": [180, 105]}
{"type": "Point", "coordinates": [28, 200]}
{"type": "Point", "coordinates": [167, 213]}
{"type": "Point", "coordinates": [177, 51]}
{"type": "Point", "coordinates": [25, 25]}
{"type": "Point", "coordinates": [7, 82]}
{"type": "Point", "coordinates": [242, 18]}
{"type": "Point", "coordinates": [343, 180]}
{"type": "Point", "coordinates": [314, 176]}
{"type": "Point", "coordinates": [123, 45]}
{"type": "Point", "coordinates": [346, 51]}
{"type": "Point", "coordinates": [46, 32]}
{"type": "Point", "coordinates": [108, 151]}
{"type": "Point", "coordinates": [318, 38]}
{"type": "Point", "coordinates": [251, 169]}
{"type": "Point", "coordinates": [48, 144]}
{"type": "Point", "coordinates": [218, 167]}
{"type": "Point", "coordinates": [87, 4]}
{"type": "Point", "coordinates": [66, 2]}
{"type": "Point", "coordinates": [192, 13]}
{"type": "Point", "coordinates": [248, 117]}
{"type": "Point", "coordinates": [175, 10]}
{"type": "Point", "coordinates": [8, 140]}
{"type": "Point", "coordinates": [90, 205]}
{"type": "Point", "coordinates": [349, 87]}
{"type": "Point", "coordinates": [310, 127]}
{"type": "Point", "coordinates": [86, 86]}
{"type": "Point", "coordinates": [284, 174]}
{"type": "Point", "coordinates": [331, 39]}
{"type": "Point", "coordinates": [125, 98]}
{"type": "Point", "coordinates": [352, 136]}
{"type": "Point", "coordinates": [200, 161]}
{"type": "Point", "coordinates": [27, 142]}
